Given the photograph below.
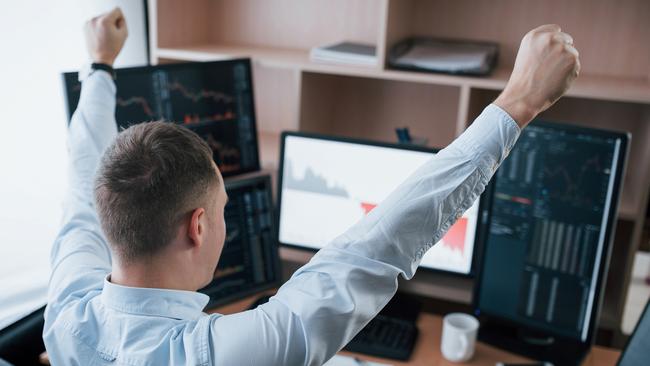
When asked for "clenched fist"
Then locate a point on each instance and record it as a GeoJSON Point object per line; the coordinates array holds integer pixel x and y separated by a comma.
{"type": "Point", "coordinates": [546, 65]}
{"type": "Point", "coordinates": [105, 36]}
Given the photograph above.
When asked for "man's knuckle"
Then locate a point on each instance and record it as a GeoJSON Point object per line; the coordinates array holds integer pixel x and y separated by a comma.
{"type": "Point", "coordinates": [549, 40]}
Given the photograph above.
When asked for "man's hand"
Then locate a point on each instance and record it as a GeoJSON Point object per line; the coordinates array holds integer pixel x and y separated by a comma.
{"type": "Point", "coordinates": [546, 65]}
{"type": "Point", "coordinates": [105, 36]}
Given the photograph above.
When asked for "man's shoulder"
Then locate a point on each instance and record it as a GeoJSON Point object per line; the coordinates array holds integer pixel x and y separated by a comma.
{"type": "Point", "coordinates": [71, 316]}
{"type": "Point", "coordinates": [69, 327]}
{"type": "Point", "coordinates": [87, 328]}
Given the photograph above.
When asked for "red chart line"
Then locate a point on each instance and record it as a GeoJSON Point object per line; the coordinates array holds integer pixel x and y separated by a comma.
{"type": "Point", "coordinates": [141, 101]}
{"type": "Point", "coordinates": [202, 94]}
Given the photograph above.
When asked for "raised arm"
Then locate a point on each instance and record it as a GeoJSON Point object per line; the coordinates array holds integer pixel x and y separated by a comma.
{"type": "Point", "coordinates": [347, 283]}
{"type": "Point", "coordinates": [80, 257]}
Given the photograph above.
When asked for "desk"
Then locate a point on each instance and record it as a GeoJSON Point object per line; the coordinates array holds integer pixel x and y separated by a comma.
{"type": "Point", "coordinates": [427, 349]}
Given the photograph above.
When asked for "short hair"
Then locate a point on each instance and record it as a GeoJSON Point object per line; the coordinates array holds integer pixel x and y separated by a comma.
{"type": "Point", "coordinates": [151, 177]}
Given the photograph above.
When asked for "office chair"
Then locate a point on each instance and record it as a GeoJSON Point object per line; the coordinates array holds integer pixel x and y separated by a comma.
{"type": "Point", "coordinates": [21, 343]}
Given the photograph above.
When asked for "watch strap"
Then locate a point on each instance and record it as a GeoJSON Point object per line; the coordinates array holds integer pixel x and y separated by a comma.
{"type": "Point", "coordinates": [108, 68]}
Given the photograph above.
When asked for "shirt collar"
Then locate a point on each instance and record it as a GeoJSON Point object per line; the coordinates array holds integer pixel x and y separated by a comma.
{"type": "Point", "coordinates": [176, 304]}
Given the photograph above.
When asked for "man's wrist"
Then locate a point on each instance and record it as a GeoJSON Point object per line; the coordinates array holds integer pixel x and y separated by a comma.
{"type": "Point", "coordinates": [517, 107]}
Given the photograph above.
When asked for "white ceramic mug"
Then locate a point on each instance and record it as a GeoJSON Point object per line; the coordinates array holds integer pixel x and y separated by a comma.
{"type": "Point", "coordinates": [458, 337]}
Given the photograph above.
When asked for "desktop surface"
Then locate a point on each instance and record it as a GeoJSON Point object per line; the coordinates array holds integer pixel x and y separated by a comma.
{"type": "Point", "coordinates": [427, 349]}
{"type": "Point", "coordinates": [341, 180]}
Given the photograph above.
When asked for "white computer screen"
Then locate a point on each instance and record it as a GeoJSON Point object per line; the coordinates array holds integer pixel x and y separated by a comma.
{"type": "Point", "coordinates": [328, 185]}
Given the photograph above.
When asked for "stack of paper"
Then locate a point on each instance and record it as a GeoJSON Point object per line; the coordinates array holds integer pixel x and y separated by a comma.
{"type": "Point", "coordinates": [449, 59]}
{"type": "Point", "coordinates": [346, 53]}
{"type": "Point", "coordinates": [448, 56]}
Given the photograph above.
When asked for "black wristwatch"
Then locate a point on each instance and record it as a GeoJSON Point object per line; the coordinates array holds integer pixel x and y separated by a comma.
{"type": "Point", "coordinates": [108, 68]}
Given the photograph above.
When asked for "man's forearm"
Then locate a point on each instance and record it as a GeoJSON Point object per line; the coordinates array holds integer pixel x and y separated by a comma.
{"type": "Point", "coordinates": [80, 256]}
{"type": "Point", "coordinates": [419, 212]}
{"type": "Point", "coordinates": [91, 130]}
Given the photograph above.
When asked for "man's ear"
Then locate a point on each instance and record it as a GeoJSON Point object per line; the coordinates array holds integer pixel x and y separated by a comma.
{"type": "Point", "coordinates": [196, 229]}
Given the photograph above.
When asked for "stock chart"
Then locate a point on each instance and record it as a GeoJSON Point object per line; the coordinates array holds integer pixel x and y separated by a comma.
{"type": "Point", "coordinates": [328, 186]}
{"type": "Point", "coordinates": [551, 202]}
{"type": "Point", "coordinates": [213, 99]}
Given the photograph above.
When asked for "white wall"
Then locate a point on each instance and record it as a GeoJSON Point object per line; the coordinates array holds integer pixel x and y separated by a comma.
{"type": "Point", "coordinates": [39, 40]}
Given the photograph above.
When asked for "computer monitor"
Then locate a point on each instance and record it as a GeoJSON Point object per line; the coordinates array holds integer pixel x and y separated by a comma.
{"type": "Point", "coordinates": [249, 261]}
{"type": "Point", "coordinates": [547, 249]}
{"type": "Point", "coordinates": [214, 99]}
{"type": "Point", "coordinates": [327, 184]}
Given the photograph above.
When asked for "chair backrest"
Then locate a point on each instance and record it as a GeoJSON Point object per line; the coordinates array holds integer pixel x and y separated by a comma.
{"type": "Point", "coordinates": [21, 343]}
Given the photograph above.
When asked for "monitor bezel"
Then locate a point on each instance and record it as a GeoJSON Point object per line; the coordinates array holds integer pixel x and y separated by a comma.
{"type": "Point", "coordinates": [605, 258]}
{"type": "Point", "coordinates": [122, 72]}
{"type": "Point", "coordinates": [238, 182]}
{"type": "Point", "coordinates": [484, 198]}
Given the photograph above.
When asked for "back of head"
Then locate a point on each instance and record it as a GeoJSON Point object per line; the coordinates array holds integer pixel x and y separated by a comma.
{"type": "Point", "coordinates": [150, 179]}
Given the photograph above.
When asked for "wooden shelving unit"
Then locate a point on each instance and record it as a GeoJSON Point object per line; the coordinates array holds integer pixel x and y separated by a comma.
{"type": "Point", "coordinates": [293, 93]}
{"type": "Point", "coordinates": [603, 87]}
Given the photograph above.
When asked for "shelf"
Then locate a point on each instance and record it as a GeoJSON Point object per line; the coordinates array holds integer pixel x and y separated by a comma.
{"type": "Point", "coordinates": [287, 58]}
{"type": "Point", "coordinates": [297, 59]}
{"type": "Point", "coordinates": [611, 88]}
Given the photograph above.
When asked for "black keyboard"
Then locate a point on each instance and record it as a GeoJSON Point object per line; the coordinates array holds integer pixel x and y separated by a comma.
{"type": "Point", "coordinates": [387, 337]}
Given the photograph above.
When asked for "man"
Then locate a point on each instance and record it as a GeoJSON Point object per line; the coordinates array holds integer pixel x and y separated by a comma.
{"type": "Point", "coordinates": [127, 294]}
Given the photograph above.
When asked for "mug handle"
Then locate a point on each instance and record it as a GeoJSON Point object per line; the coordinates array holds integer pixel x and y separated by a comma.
{"type": "Point", "coordinates": [464, 342]}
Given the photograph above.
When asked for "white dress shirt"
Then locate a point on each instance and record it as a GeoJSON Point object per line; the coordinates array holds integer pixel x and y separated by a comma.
{"type": "Point", "coordinates": [91, 321]}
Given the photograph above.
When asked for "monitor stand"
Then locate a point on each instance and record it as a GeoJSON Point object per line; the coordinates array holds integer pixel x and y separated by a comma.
{"type": "Point", "coordinates": [536, 345]}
